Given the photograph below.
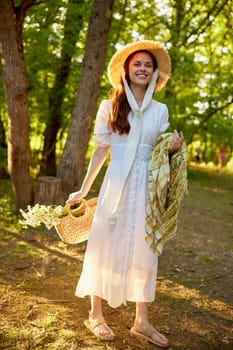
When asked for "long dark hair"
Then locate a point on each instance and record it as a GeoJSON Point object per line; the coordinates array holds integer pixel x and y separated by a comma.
{"type": "Point", "coordinates": [120, 107]}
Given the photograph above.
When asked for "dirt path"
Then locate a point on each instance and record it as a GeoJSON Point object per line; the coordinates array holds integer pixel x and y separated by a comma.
{"type": "Point", "coordinates": [193, 306]}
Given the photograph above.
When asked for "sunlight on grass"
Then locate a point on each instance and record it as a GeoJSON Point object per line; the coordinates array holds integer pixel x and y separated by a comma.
{"type": "Point", "coordinates": [46, 327]}
{"type": "Point", "coordinates": [47, 320]}
{"type": "Point", "coordinates": [38, 275]}
{"type": "Point", "coordinates": [210, 178]}
{"type": "Point", "coordinates": [172, 290]}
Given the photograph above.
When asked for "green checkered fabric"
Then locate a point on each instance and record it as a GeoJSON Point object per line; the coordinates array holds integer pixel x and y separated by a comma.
{"type": "Point", "coordinates": [167, 184]}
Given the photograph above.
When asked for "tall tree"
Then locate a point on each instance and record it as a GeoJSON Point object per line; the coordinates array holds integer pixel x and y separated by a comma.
{"type": "Point", "coordinates": [199, 35]}
{"type": "Point", "coordinates": [16, 90]}
{"type": "Point", "coordinates": [73, 157]}
{"type": "Point", "coordinates": [72, 26]}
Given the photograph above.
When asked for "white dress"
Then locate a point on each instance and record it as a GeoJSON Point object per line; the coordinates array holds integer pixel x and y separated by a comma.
{"type": "Point", "coordinates": [119, 265]}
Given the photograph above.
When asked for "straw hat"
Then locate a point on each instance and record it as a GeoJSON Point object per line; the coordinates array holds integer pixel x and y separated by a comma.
{"type": "Point", "coordinates": [116, 64]}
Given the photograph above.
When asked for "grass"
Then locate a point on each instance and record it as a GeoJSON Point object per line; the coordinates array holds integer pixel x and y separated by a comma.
{"type": "Point", "coordinates": [211, 179]}
{"type": "Point", "coordinates": [38, 276]}
{"type": "Point", "coordinates": [207, 257]}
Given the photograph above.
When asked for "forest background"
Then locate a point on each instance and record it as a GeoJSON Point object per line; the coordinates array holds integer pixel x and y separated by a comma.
{"type": "Point", "coordinates": [54, 59]}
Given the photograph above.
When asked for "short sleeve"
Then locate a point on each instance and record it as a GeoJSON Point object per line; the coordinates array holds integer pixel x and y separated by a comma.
{"type": "Point", "coordinates": [102, 133]}
{"type": "Point", "coordinates": [164, 120]}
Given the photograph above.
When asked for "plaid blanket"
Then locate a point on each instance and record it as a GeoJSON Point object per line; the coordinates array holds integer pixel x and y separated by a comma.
{"type": "Point", "coordinates": [166, 188]}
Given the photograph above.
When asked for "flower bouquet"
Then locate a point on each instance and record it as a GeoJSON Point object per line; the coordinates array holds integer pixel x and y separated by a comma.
{"type": "Point", "coordinates": [41, 214]}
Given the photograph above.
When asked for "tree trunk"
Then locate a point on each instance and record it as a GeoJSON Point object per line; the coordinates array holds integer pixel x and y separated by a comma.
{"type": "Point", "coordinates": [48, 191]}
{"type": "Point", "coordinates": [73, 25]}
{"type": "Point", "coordinates": [16, 90]}
{"type": "Point", "coordinates": [73, 158]}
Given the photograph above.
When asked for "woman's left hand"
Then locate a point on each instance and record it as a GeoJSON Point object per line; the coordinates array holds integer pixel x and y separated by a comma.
{"type": "Point", "coordinates": [177, 141]}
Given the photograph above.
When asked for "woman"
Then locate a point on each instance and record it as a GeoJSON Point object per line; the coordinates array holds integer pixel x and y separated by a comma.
{"type": "Point", "coordinates": [119, 265]}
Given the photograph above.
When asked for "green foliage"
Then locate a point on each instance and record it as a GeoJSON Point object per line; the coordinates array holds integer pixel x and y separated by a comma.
{"type": "Point", "coordinates": [8, 215]}
{"type": "Point", "coordinates": [43, 44]}
{"type": "Point", "coordinates": [199, 93]}
{"type": "Point", "coordinates": [196, 34]}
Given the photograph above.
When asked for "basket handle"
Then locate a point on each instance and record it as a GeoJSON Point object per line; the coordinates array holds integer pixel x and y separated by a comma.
{"type": "Point", "coordinates": [80, 209]}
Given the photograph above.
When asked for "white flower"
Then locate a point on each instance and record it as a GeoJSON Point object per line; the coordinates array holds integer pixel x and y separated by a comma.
{"type": "Point", "coordinates": [42, 214]}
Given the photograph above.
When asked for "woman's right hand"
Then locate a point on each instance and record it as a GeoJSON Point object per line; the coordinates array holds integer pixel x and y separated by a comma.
{"type": "Point", "coordinates": [75, 197]}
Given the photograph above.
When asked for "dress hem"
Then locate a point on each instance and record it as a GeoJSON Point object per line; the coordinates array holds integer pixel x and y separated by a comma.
{"type": "Point", "coordinates": [118, 305]}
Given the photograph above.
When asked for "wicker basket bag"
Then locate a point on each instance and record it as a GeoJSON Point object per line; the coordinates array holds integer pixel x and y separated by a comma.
{"type": "Point", "coordinates": [75, 226]}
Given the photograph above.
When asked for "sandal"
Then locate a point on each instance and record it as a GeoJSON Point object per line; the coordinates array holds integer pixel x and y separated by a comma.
{"type": "Point", "coordinates": [93, 323]}
{"type": "Point", "coordinates": [147, 333]}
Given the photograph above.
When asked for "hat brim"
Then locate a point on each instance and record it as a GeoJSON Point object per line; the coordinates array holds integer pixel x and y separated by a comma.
{"type": "Point", "coordinates": [117, 61]}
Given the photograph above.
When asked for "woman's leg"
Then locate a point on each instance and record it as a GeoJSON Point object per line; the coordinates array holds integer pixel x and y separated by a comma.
{"type": "Point", "coordinates": [96, 313]}
{"type": "Point", "coordinates": [142, 324]}
{"type": "Point", "coordinates": [96, 306]}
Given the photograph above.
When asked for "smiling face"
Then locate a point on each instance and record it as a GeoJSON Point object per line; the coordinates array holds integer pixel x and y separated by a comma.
{"type": "Point", "coordinates": [140, 68]}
